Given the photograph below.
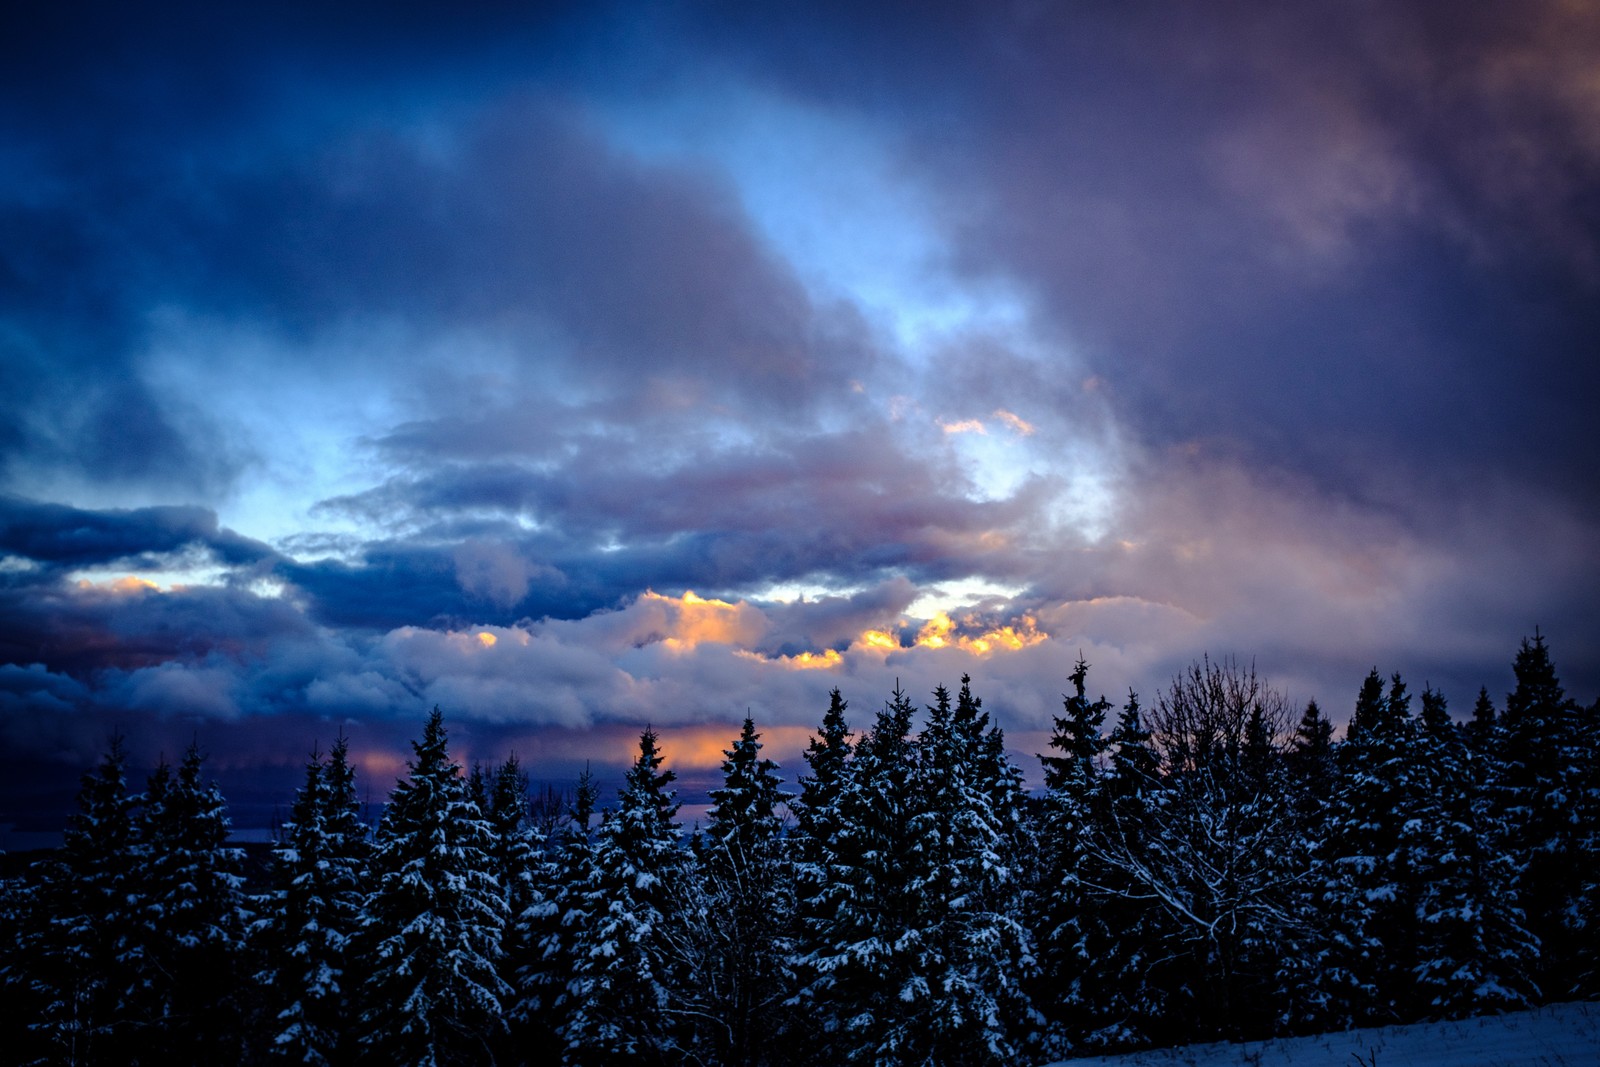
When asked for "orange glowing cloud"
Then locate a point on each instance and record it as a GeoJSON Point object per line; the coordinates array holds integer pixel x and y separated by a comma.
{"type": "Point", "coordinates": [942, 632]}
{"type": "Point", "coordinates": [486, 639]}
{"type": "Point", "coordinates": [127, 585]}
{"type": "Point", "coordinates": [1016, 423]}
{"type": "Point", "coordinates": [881, 640]}
{"type": "Point", "coordinates": [963, 426]}
{"type": "Point", "coordinates": [705, 747]}
{"type": "Point", "coordinates": [1013, 638]}
{"type": "Point", "coordinates": [935, 633]}
{"type": "Point", "coordinates": [825, 660]}
{"type": "Point", "coordinates": [691, 620]}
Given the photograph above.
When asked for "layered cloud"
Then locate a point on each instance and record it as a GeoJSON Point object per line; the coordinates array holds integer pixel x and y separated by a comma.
{"type": "Point", "coordinates": [581, 367]}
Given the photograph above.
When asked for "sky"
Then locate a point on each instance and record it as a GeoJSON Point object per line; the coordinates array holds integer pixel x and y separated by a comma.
{"type": "Point", "coordinates": [580, 367]}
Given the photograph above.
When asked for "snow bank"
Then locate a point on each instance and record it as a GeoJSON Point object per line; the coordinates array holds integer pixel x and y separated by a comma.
{"type": "Point", "coordinates": [1559, 1035]}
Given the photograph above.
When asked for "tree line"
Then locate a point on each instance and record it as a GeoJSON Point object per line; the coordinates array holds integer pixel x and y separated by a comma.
{"type": "Point", "coordinates": [1212, 866]}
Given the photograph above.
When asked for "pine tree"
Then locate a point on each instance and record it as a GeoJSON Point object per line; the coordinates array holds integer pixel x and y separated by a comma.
{"type": "Point", "coordinates": [305, 936]}
{"type": "Point", "coordinates": [853, 961]}
{"type": "Point", "coordinates": [193, 920]}
{"type": "Point", "coordinates": [740, 911]}
{"type": "Point", "coordinates": [1473, 954]}
{"type": "Point", "coordinates": [1062, 910]}
{"type": "Point", "coordinates": [1367, 892]}
{"type": "Point", "coordinates": [1482, 731]}
{"type": "Point", "coordinates": [624, 982]}
{"type": "Point", "coordinates": [546, 933]}
{"type": "Point", "coordinates": [1548, 809]}
{"type": "Point", "coordinates": [431, 929]}
{"type": "Point", "coordinates": [1125, 976]}
{"type": "Point", "coordinates": [969, 954]}
{"type": "Point", "coordinates": [84, 965]}
{"type": "Point", "coordinates": [514, 850]}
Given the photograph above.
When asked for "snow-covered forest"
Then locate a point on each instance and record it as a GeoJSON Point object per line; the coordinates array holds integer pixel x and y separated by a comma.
{"type": "Point", "coordinates": [1209, 864]}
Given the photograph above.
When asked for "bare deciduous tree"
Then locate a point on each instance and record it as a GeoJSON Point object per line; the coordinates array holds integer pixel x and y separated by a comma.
{"type": "Point", "coordinates": [1210, 849]}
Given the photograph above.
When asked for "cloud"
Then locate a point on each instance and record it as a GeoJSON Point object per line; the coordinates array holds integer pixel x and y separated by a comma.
{"type": "Point", "coordinates": [362, 364]}
{"type": "Point", "coordinates": [62, 536]}
{"type": "Point", "coordinates": [1014, 422]}
{"type": "Point", "coordinates": [495, 571]}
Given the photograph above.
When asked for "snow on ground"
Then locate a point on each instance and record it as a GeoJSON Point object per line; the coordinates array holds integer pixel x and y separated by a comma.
{"type": "Point", "coordinates": [1559, 1035]}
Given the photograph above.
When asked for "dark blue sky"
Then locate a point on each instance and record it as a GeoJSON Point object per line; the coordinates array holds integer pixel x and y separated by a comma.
{"type": "Point", "coordinates": [353, 362]}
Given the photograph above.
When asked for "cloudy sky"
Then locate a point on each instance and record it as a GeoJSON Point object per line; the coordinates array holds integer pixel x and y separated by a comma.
{"type": "Point", "coordinates": [575, 368]}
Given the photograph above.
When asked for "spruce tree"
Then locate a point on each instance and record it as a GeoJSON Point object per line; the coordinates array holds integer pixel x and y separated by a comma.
{"type": "Point", "coordinates": [84, 967]}
{"type": "Point", "coordinates": [1367, 894]}
{"type": "Point", "coordinates": [304, 938]}
{"type": "Point", "coordinates": [514, 850]}
{"type": "Point", "coordinates": [819, 819]}
{"type": "Point", "coordinates": [626, 976]}
{"type": "Point", "coordinates": [743, 908]}
{"type": "Point", "coordinates": [431, 929]}
{"type": "Point", "coordinates": [1000, 779]}
{"type": "Point", "coordinates": [816, 809]}
{"type": "Point", "coordinates": [854, 962]}
{"type": "Point", "coordinates": [1473, 954]}
{"type": "Point", "coordinates": [1545, 771]}
{"type": "Point", "coordinates": [193, 922]}
{"type": "Point", "coordinates": [1126, 979]}
{"type": "Point", "coordinates": [1483, 728]}
{"type": "Point", "coordinates": [963, 1000]}
{"type": "Point", "coordinates": [1062, 910]}
{"type": "Point", "coordinates": [546, 933]}
{"type": "Point", "coordinates": [303, 956]}
{"type": "Point", "coordinates": [1312, 772]}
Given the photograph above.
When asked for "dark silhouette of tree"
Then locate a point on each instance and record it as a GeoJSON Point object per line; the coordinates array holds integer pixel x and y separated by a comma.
{"type": "Point", "coordinates": [193, 920]}
{"type": "Point", "coordinates": [84, 963]}
{"type": "Point", "coordinates": [310, 916]}
{"type": "Point", "coordinates": [1548, 810]}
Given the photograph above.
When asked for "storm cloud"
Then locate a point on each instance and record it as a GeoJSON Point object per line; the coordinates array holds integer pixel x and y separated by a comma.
{"type": "Point", "coordinates": [580, 367]}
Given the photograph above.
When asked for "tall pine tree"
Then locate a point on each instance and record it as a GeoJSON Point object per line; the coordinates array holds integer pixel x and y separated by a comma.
{"type": "Point", "coordinates": [546, 935]}
{"type": "Point", "coordinates": [1548, 811]}
{"type": "Point", "coordinates": [625, 975]}
{"type": "Point", "coordinates": [431, 929]}
{"type": "Point", "coordinates": [193, 923]}
{"type": "Point", "coordinates": [743, 909]}
{"type": "Point", "coordinates": [81, 980]}
{"type": "Point", "coordinates": [852, 960]}
{"type": "Point", "coordinates": [304, 937]}
{"type": "Point", "coordinates": [1473, 955]}
{"type": "Point", "coordinates": [1063, 912]}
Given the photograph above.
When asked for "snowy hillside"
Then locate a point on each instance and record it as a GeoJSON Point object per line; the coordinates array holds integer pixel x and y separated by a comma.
{"type": "Point", "coordinates": [1560, 1035]}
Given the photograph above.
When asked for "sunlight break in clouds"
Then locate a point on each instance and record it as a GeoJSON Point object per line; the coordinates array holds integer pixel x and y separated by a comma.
{"type": "Point", "coordinates": [409, 366]}
{"type": "Point", "coordinates": [691, 620]}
